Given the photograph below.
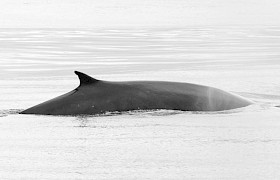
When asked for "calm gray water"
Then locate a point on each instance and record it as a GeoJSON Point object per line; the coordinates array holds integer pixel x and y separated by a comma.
{"type": "Point", "coordinates": [38, 64]}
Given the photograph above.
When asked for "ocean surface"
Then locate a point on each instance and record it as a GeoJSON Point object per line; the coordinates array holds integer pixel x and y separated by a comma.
{"type": "Point", "coordinates": [38, 64]}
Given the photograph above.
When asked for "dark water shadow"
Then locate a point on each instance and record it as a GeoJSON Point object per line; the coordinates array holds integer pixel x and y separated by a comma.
{"type": "Point", "coordinates": [156, 112]}
{"type": "Point", "coordinates": [159, 112]}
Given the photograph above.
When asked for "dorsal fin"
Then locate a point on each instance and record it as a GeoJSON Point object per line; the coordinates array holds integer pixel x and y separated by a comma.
{"type": "Point", "coordinates": [85, 79]}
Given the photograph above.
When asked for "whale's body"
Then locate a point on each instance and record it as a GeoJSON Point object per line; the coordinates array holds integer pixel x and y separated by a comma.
{"type": "Point", "coordinates": [97, 97]}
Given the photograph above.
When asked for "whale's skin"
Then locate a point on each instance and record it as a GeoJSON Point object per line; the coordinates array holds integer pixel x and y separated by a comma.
{"type": "Point", "coordinates": [97, 97]}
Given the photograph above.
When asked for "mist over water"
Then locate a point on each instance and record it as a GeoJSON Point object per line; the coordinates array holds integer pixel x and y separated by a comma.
{"type": "Point", "coordinates": [39, 64]}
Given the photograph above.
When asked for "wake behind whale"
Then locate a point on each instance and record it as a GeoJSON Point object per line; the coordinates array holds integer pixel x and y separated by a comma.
{"type": "Point", "coordinates": [97, 97]}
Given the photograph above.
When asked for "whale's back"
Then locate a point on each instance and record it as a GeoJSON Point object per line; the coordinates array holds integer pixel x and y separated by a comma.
{"type": "Point", "coordinates": [95, 97]}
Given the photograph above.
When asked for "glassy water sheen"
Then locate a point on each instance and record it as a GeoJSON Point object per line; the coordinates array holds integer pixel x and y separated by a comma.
{"type": "Point", "coordinates": [38, 64]}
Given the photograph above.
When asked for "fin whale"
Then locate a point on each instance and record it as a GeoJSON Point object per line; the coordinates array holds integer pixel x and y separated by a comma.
{"type": "Point", "coordinates": [94, 96]}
